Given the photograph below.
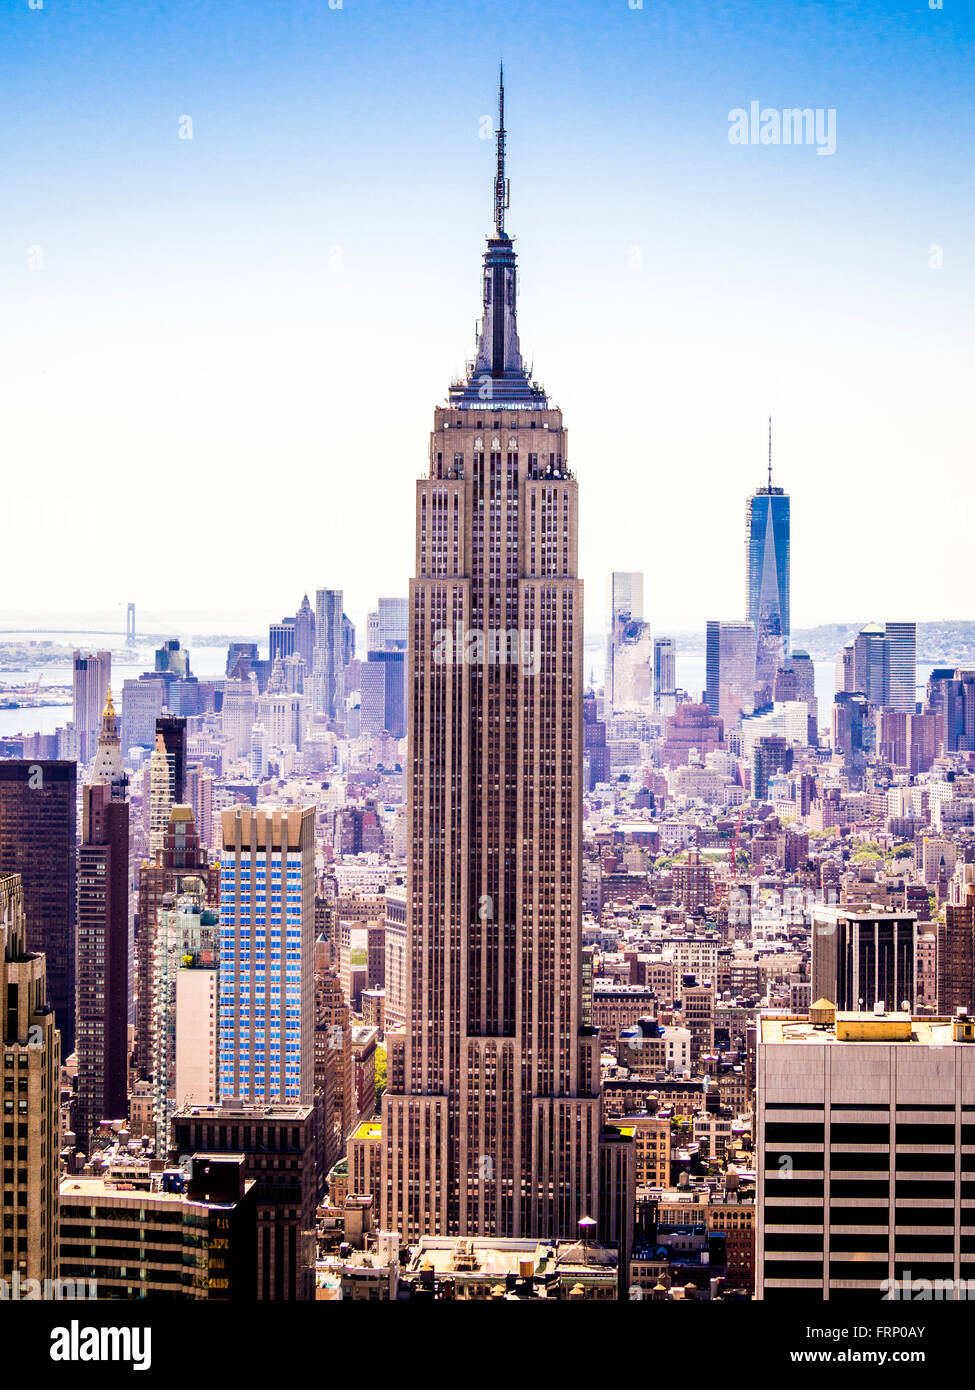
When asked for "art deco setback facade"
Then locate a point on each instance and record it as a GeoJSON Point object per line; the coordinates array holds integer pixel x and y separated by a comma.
{"type": "Point", "coordinates": [491, 1121]}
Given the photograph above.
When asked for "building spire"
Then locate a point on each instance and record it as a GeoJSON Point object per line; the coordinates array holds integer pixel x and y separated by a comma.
{"type": "Point", "coordinates": [498, 373]}
{"type": "Point", "coordinates": [502, 191]}
{"type": "Point", "coordinates": [770, 455]}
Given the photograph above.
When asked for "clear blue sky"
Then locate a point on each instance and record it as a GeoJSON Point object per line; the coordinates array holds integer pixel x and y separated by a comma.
{"type": "Point", "coordinates": [223, 353]}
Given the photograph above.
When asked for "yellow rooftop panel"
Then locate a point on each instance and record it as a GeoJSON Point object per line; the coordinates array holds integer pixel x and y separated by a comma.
{"type": "Point", "coordinates": [873, 1027]}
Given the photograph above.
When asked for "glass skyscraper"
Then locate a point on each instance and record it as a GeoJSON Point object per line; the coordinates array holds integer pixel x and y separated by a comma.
{"type": "Point", "coordinates": [767, 541]}
{"type": "Point", "coordinates": [267, 942]}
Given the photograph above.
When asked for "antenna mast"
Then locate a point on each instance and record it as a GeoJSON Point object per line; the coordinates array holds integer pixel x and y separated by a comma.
{"type": "Point", "coordinates": [502, 190]}
{"type": "Point", "coordinates": [770, 455]}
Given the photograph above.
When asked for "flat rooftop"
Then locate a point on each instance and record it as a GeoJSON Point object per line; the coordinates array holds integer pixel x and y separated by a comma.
{"type": "Point", "coordinates": [479, 1257]}
{"type": "Point", "coordinates": [852, 1028]}
{"type": "Point", "coordinates": [873, 912]}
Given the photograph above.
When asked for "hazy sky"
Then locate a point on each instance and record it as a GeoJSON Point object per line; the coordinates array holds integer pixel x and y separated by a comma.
{"type": "Point", "coordinates": [222, 354]}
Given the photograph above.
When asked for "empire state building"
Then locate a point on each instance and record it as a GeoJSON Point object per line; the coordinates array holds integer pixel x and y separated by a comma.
{"type": "Point", "coordinates": [491, 1122]}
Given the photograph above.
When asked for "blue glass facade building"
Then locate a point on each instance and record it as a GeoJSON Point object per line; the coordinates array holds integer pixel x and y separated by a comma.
{"type": "Point", "coordinates": [267, 919]}
{"type": "Point", "coordinates": [767, 542]}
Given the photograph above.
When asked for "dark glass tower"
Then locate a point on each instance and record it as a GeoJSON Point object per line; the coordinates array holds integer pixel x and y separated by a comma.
{"type": "Point", "coordinates": [38, 840]}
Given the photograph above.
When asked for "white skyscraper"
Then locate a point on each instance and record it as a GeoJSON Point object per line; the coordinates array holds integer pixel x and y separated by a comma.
{"type": "Point", "coordinates": [92, 677]}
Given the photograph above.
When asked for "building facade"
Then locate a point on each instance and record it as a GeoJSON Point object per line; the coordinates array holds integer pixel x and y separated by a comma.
{"type": "Point", "coordinates": [864, 1152]}
{"type": "Point", "coordinates": [267, 944]}
{"type": "Point", "coordinates": [38, 841]}
{"type": "Point", "coordinates": [767, 575]}
{"type": "Point", "coordinates": [491, 1119]}
{"type": "Point", "coordinates": [30, 1066]}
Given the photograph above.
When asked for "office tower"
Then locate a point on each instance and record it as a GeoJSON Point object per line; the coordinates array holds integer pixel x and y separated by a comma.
{"type": "Point", "coordinates": [199, 789]}
{"type": "Point", "coordinates": [394, 624]}
{"type": "Point", "coordinates": [334, 1067]}
{"type": "Point", "coordinates": [278, 1147]}
{"type": "Point", "coordinates": [861, 1125]}
{"type": "Point", "coordinates": [770, 754]}
{"type": "Point", "coordinates": [92, 677]}
{"type": "Point", "coordinates": [31, 1069]}
{"type": "Point", "coordinates": [38, 840]}
{"type": "Point", "coordinates": [492, 1117]}
{"type": "Point", "coordinates": [951, 696]}
{"type": "Point", "coordinates": [767, 575]}
{"type": "Point", "coordinates": [173, 730]}
{"type": "Point", "coordinates": [178, 865]}
{"type": "Point", "coordinates": [184, 1007]}
{"type": "Point", "coordinates": [160, 793]}
{"type": "Point", "coordinates": [330, 650]}
{"type": "Point", "coordinates": [626, 594]}
{"type": "Point", "coordinates": [372, 631]}
{"type": "Point", "coordinates": [267, 941]}
{"type": "Point", "coordinates": [802, 669]}
{"type": "Point", "coordinates": [238, 713]}
{"type": "Point", "coordinates": [382, 694]}
{"type": "Point", "coordinates": [258, 752]}
{"type": "Point", "coordinates": [382, 676]}
{"type": "Point", "coordinates": [397, 961]}
{"type": "Point", "coordinates": [956, 946]}
{"type": "Point", "coordinates": [281, 712]}
{"type": "Point", "coordinates": [281, 639]}
{"type": "Point", "coordinates": [143, 701]}
{"type": "Point", "coordinates": [103, 943]}
{"type": "Point", "coordinates": [164, 1235]}
{"type": "Point", "coordinates": [862, 955]}
{"type": "Point", "coordinates": [909, 741]}
{"type": "Point", "coordinates": [871, 664]}
{"type": "Point", "coordinates": [851, 733]}
{"type": "Point", "coordinates": [901, 639]}
{"type": "Point", "coordinates": [172, 659]}
{"type": "Point", "coordinates": [596, 761]}
{"type": "Point", "coordinates": [665, 674]}
{"type": "Point", "coordinates": [305, 634]}
{"type": "Point", "coordinates": [189, 696]}
{"type": "Point", "coordinates": [844, 671]}
{"type": "Point", "coordinates": [629, 679]}
{"type": "Point", "coordinates": [731, 672]}
{"type": "Point", "coordinates": [241, 657]}
{"type": "Point", "coordinates": [293, 674]}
